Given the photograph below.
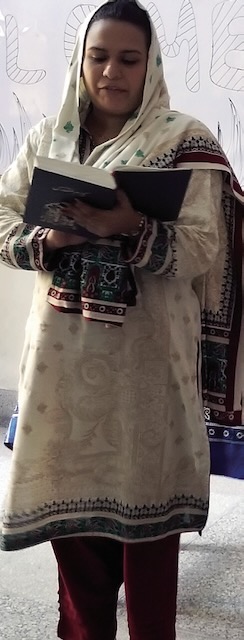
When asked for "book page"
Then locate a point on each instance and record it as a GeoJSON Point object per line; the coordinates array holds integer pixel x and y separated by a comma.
{"type": "Point", "coordinates": [91, 175]}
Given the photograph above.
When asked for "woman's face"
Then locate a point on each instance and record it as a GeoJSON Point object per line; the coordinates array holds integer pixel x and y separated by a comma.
{"type": "Point", "coordinates": [114, 66]}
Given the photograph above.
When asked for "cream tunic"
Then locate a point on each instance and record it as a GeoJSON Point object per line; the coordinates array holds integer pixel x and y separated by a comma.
{"type": "Point", "coordinates": [111, 437]}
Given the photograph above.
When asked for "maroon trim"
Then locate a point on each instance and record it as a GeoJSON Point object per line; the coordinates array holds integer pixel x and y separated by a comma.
{"type": "Point", "coordinates": [72, 296]}
{"type": "Point", "coordinates": [141, 246]}
{"type": "Point", "coordinates": [202, 156]}
{"type": "Point", "coordinates": [207, 156]}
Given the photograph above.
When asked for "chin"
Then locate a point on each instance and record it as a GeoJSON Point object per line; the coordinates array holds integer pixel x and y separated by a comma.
{"type": "Point", "coordinates": [117, 106]}
{"type": "Point", "coordinates": [116, 110]}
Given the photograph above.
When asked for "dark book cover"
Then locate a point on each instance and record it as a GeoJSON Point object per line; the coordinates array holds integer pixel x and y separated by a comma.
{"type": "Point", "coordinates": [48, 191]}
{"type": "Point", "coordinates": [157, 194]}
{"type": "Point", "coordinates": [154, 192]}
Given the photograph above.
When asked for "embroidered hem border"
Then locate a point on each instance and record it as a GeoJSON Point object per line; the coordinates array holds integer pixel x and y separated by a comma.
{"type": "Point", "coordinates": [101, 525]}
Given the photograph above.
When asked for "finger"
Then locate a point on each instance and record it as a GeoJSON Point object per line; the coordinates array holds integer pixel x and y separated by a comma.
{"type": "Point", "coordinates": [67, 208]}
{"type": "Point", "coordinates": [84, 207]}
{"type": "Point", "coordinates": [75, 205]}
{"type": "Point", "coordinates": [122, 198]}
{"type": "Point", "coordinates": [76, 212]}
{"type": "Point", "coordinates": [86, 220]}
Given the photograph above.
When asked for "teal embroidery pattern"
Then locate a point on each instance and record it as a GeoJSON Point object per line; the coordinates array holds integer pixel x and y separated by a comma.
{"type": "Point", "coordinates": [124, 161]}
{"type": "Point", "coordinates": [133, 523]}
{"type": "Point", "coordinates": [105, 164]}
{"type": "Point", "coordinates": [20, 249]}
{"type": "Point", "coordinates": [68, 127]}
{"type": "Point", "coordinates": [139, 154]}
{"type": "Point", "coordinates": [158, 60]}
{"type": "Point", "coordinates": [170, 119]}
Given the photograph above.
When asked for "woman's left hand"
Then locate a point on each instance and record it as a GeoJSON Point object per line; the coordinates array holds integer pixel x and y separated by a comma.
{"type": "Point", "coordinates": [105, 223]}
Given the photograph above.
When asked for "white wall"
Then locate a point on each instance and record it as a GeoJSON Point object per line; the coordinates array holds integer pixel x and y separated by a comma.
{"type": "Point", "coordinates": [15, 295]}
{"type": "Point", "coordinates": [203, 54]}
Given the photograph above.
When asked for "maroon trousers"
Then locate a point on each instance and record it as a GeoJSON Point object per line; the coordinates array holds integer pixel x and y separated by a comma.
{"type": "Point", "coordinates": [91, 571]}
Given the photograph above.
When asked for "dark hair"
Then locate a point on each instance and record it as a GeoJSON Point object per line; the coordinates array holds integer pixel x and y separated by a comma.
{"type": "Point", "coordinates": [127, 11]}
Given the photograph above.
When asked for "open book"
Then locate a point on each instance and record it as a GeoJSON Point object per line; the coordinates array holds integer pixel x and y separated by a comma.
{"type": "Point", "coordinates": [158, 193]}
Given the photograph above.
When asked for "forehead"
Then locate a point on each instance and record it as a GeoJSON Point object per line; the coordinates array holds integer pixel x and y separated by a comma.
{"type": "Point", "coordinates": [115, 35]}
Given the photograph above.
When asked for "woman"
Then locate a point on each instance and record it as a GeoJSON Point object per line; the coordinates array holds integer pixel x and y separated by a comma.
{"type": "Point", "coordinates": [111, 446]}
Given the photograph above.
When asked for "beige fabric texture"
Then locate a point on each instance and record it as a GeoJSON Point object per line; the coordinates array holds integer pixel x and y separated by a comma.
{"type": "Point", "coordinates": [115, 412]}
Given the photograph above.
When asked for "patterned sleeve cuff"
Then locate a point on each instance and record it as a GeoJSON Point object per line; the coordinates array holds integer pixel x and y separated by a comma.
{"type": "Point", "coordinates": [23, 248]}
{"type": "Point", "coordinates": [41, 257]}
{"type": "Point", "coordinates": [140, 248]}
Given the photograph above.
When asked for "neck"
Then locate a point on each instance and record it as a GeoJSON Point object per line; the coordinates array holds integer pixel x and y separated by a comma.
{"type": "Point", "coordinates": [104, 127]}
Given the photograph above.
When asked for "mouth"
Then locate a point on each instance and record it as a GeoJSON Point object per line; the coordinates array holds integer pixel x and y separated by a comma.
{"type": "Point", "coordinates": [112, 89]}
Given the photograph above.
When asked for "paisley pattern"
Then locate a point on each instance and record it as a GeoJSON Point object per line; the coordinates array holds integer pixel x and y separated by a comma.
{"type": "Point", "coordinates": [99, 285]}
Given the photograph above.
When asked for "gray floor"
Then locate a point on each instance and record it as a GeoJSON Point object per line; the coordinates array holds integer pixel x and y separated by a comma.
{"type": "Point", "coordinates": [211, 582]}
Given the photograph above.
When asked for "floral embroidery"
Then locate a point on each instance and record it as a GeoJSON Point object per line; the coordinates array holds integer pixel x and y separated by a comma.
{"type": "Point", "coordinates": [68, 127]}
{"type": "Point", "coordinates": [160, 250]}
{"type": "Point", "coordinates": [139, 153]}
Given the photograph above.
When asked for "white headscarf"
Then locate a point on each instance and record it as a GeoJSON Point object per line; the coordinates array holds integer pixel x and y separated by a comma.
{"type": "Point", "coordinates": [140, 134]}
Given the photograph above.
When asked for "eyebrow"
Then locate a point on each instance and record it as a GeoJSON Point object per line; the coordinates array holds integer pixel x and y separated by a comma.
{"type": "Point", "coordinates": [105, 50]}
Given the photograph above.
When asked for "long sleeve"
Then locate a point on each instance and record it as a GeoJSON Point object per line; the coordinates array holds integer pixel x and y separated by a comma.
{"type": "Point", "coordinates": [189, 247]}
{"type": "Point", "coordinates": [21, 245]}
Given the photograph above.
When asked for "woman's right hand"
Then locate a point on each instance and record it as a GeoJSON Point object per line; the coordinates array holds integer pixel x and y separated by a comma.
{"type": "Point", "coordinates": [59, 239]}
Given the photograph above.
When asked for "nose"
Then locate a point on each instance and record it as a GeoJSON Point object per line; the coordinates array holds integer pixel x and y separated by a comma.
{"type": "Point", "coordinates": [112, 70]}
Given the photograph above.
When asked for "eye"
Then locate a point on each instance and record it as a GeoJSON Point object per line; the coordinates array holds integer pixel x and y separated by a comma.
{"type": "Point", "coordinates": [96, 59]}
{"type": "Point", "coordinates": [100, 59]}
{"type": "Point", "coordinates": [130, 62]}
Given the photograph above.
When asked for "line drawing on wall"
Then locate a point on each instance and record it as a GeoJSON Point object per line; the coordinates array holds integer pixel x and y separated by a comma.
{"type": "Point", "coordinates": [186, 32]}
{"type": "Point", "coordinates": [14, 72]}
{"type": "Point", "coordinates": [225, 17]}
{"type": "Point", "coordinates": [10, 145]}
{"type": "Point", "coordinates": [74, 21]}
{"type": "Point", "coordinates": [235, 150]}
{"type": "Point", "coordinates": [16, 146]}
{"type": "Point", "coordinates": [25, 123]}
{"type": "Point", "coordinates": [5, 155]}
